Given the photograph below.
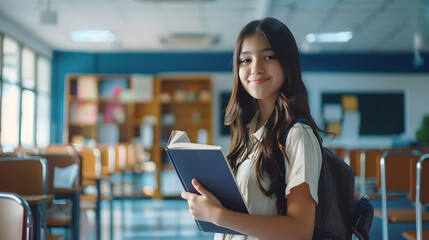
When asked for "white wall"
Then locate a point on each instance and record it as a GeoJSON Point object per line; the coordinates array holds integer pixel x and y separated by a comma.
{"type": "Point", "coordinates": [415, 87]}
{"type": "Point", "coordinates": [221, 82]}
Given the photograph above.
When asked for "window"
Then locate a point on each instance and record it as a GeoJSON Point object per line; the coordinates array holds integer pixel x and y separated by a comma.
{"type": "Point", "coordinates": [25, 96]}
{"type": "Point", "coordinates": [27, 119]}
{"type": "Point", "coordinates": [10, 115]}
{"type": "Point", "coordinates": [43, 102]}
{"type": "Point", "coordinates": [10, 101]}
{"type": "Point", "coordinates": [28, 83]}
{"type": "Point", "coordinates": [28, 69]}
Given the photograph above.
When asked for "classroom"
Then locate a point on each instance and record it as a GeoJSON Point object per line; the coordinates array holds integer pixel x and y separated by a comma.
{"type": "Point", "coordinates": [92, 90]}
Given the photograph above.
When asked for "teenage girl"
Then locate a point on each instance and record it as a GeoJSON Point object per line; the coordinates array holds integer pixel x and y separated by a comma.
{"type": "Point", "coordinates": [268, 95]}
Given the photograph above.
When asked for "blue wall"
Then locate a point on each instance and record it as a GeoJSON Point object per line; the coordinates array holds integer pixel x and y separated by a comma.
{"type": "Point", "coordinates": [161, 62]}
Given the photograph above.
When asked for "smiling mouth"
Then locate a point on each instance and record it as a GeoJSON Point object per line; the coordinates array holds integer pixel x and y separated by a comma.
{"type": "Point", "coordinates": [260, 80]}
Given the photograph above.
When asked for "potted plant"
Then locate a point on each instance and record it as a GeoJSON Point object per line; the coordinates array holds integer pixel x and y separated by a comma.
{"type": "Point", "coordinates": [423, 133]}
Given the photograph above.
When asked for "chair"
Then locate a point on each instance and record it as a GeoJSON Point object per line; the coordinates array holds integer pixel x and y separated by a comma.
{"type": "Point", "coordinates": [108, 159]}
{"type": "Point", "coordinates": [353, 157]}
{"type": "Point", "coordinates": [369, 161]}
{"type": "Point", "coordinates": [70, 218]}
{"type": "Point", "coordinates": [108, 162]}
{"type": "Point", "coordinates": [28, 177]}
{"type": "Point", "coordinates": [16, 173]}
{"type": "Point", "coordinates": [341, 152]}
{"type": "Point", "coordinates": [131, 170]}
{"type": "Point", "coordinates": [140, 158]}
{"type": "Point", "coordinates": [121, 166]}
{"type": "Point", "coordinates": [394, 176]}
{"type": "Point", "coordinates": [26, 151]}
{"type": "Point", "coordinates": [15, 217]}
{"type": "Point", "coordinates": [58, 149]}
{"type": "Point", "coordinates": [91, 176]}
{"type": "Point", "coordinates": [419, 184]}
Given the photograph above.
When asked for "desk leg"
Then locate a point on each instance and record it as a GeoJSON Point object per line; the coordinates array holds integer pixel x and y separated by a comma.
{"type": "Point", "coordinates": [112, 197]}
{"type": "Point", "coordinates": [39, 221]}
{"type": "Point", "coordinates": [76, 216]}
{"type": "Point", "coordinates": [98, 212]}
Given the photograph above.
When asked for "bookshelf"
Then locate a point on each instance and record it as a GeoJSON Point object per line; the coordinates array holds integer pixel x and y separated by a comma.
{"type": "Point", "coordinates": [109, 108]}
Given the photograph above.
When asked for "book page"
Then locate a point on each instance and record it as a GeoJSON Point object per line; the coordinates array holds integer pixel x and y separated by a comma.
{"type": "Point", "coordinates": [180, 140]}
{"type": "Point", "coordinates": [177, 136]}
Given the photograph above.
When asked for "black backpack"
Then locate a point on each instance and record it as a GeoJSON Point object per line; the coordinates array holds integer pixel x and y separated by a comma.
{"type": "Point", "coordinates": [338, 213]}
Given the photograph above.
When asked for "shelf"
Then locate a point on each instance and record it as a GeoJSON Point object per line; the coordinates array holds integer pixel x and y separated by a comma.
{"type": "Point", "coordinates": [196, 103]}
{"type": "Point", "coordinates": [79, 125]}
{"type": "Point", "coordinates": [190, 116]}
{"type": "Point", "coordinates": [76, 99]}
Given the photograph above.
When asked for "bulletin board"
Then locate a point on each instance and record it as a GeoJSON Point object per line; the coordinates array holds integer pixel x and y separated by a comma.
{"type": "Point", "coordinates": [382, 113]}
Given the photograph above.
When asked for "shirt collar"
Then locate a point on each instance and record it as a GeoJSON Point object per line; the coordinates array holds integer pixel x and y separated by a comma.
{"type": "Point", "coordinates": [252, 128]}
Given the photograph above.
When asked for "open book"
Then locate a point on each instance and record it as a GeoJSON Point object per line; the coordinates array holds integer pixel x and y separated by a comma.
{"type": "Point", "coordinates": [207, 164]}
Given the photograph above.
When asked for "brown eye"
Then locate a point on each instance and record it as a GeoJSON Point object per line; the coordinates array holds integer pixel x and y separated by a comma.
{"type": "Point", "coordinates": [270, 57]}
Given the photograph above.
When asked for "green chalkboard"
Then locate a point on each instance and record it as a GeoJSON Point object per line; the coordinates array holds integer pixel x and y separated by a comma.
{"type": "Point", "coordinates": [382, 113]}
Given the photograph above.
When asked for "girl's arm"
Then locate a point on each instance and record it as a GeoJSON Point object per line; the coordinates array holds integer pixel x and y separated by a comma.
{"type": "Point", "coordinates": [298, 224]}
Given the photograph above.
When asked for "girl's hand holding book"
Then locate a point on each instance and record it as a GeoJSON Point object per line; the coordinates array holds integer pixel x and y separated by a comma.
{"type": "Point", "coordinates": [204, 207]}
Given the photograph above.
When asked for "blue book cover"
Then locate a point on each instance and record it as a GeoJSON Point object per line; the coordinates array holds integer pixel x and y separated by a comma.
{"type": "Point", "coordinates": [208, 165]}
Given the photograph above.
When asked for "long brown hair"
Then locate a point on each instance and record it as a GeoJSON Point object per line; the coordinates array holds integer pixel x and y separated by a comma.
{"type": "Point", "coordinates": [291, 103]}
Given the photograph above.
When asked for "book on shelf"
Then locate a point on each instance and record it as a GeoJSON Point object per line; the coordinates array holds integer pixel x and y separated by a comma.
{"type": "Point", "coordinates": [207, 164]}
{"type": "Point", "coordinates": [114, 112]}
{"type": "Point", "coordinates": [111, 88]}
{"type": "Point", "coordinates": [142, 87]}
{"type": "Point", "coordinates": [87, 88]}
{"type": "Point", "coordinates": [83, 113]}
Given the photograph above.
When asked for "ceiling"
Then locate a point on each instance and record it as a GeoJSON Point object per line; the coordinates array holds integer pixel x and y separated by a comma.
{"type": "Point", "coordinates": [139, 25]}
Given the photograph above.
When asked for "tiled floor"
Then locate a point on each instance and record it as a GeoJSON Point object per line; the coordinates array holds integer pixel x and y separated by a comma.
{"type": "Point", "coordinates": [170, 219]}
{"type": "Point", "coordinates": [144, 219]}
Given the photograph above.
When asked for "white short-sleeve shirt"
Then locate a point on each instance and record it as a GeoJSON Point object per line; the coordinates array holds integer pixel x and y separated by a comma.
{"type": "Point", "coordinates": [305, 160]}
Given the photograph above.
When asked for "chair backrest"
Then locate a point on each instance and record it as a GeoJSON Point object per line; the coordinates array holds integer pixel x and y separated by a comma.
{"type": "Point", "coordinates": [60, 160]}
{"type": "Point", "coordinates": [58, 149]}
{"type": "Point", "coordinates": [121, 157]}
{"type": "Point", "coordinates": [91, 161]}
{"type": "Point", "coordinates": [15, 217]}
{"type": "Point", "coordinates": [24, 176]}
{"type": "Point", "coordinates": [27, 151]}
{"type": "Point", "coordinates": [108, 159]}
{"type": "Point", "coordinates": [424, 180]}
{"type": "Point", "coordinates": [8, 155]}
{"type": "Point", "coordinates": [354, 158]}
{"type": "Point", "coordinates": [396, 167]}
{"type": "Point", "coordinates": [420, 195]}
{"type": "Point", "coordinates": [131, 156]}
{"type": "Point", "coordinates": [341, 152]}
{"type": "Point", "coordinates": [369, 161]}
{"type": "Point", "coordinates": [372, 161]}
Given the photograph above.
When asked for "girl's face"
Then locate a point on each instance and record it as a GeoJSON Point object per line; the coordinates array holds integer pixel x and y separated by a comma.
{"type": "Point", "coordinates": [260, 71]}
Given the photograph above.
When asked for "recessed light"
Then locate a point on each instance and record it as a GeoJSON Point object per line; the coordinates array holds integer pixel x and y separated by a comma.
{"type": "Point", "coordinates": [92, 36]}
{"type": "Point", "coordinates": [329, 37]}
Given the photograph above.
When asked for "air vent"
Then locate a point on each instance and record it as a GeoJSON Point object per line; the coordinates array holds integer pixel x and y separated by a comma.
{"type": "Point", "coordinates": [189, 39]}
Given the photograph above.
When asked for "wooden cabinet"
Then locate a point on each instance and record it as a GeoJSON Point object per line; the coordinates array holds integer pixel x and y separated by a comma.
{"type": "Point", "coordinates": [122, 108]}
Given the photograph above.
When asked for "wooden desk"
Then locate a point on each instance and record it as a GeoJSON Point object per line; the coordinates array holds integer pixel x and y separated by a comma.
{"type": "Point", "coordinates": [74, 195]}
{"type": "Point", "coordinates": [38, 209]}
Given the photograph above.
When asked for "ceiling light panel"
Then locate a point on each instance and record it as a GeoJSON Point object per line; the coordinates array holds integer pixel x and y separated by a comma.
{"type": "Point", "coordinates": [329, 37]}
{"type": "Point", "coordinates": [92, 36]}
